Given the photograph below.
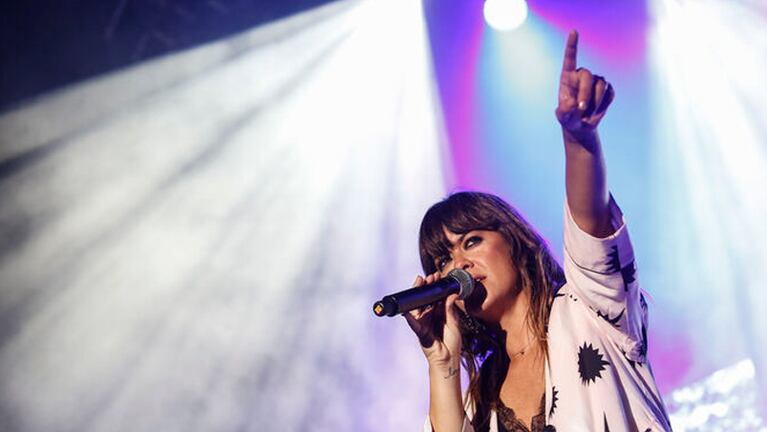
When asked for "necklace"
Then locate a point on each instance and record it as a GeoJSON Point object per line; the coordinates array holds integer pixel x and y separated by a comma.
{"type": "Point", "coordinates": [522, 351]}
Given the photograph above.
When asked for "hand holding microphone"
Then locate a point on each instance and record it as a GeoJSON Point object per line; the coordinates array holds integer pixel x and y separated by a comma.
{"type": "Point", "coordinates": [458, 281]}
{"type": "Point", "coordinates": [435, 324]}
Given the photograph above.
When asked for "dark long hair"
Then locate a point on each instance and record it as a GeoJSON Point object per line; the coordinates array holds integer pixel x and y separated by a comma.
{"type": "Point", "coordinates": [483, 350]}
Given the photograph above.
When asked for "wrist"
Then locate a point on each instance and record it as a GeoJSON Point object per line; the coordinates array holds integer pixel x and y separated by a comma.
{"type": "Point", "coordinates": [444, 365]}
{"type": "Point", "coordinates": [582, 140]}
{"type": "Point", "coordinates": [439, 356]}
{"type": "Point", "coordinates": [445, 372]}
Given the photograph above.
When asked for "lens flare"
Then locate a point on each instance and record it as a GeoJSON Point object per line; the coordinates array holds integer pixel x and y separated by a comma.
{"type": "Point", "coordinates": [505, 15]}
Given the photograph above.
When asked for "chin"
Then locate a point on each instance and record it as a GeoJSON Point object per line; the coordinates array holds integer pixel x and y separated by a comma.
{"type": "Point", "coordinates": [492, 308]}
{"type": "Point", "coordinates": [489, 312]}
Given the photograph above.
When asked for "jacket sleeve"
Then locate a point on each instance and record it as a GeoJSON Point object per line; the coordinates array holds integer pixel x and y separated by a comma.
{"type": "Point", "coordinates": [602, 273]}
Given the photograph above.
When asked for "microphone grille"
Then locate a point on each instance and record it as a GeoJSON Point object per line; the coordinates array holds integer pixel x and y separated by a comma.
{"type": "Point", "coordinates": [465, 281]}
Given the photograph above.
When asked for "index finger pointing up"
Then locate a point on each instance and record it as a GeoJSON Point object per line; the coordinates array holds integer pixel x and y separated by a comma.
{"type": "Point", "coordinates": [571, 52]}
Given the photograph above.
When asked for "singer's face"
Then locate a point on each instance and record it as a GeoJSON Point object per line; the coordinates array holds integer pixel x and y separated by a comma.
{"type": "Point", "coordinates": [487, 257]}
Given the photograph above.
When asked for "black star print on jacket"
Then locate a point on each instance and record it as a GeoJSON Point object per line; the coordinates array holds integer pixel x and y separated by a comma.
{"type": "Point", "coordinates": [628, 272]}
{"type": "Point", "coordinates": [631, 362]}
{"type": "Point", "coordinates": [613, 261]}
{"type": "Point", "coordinates": [590, 363]}
{"type": "Point", "coordinates": [554, 399]}
{"type": "Point", "coordinates": [613, 321]}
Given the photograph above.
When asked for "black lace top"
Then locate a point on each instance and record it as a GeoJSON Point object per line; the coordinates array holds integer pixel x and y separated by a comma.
{"type": "Point", "coordinates": [508, 421]}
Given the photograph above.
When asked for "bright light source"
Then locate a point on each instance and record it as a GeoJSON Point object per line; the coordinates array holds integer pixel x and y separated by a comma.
{"type": "Point", "coordinates": [709, 111]}
{"type": "Point", "coordinates": [505, 15]}
{"type": "Point", "coordinates": [152, 215]}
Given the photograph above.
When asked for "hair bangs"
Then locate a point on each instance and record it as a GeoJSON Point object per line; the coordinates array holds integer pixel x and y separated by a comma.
{"type": "Point", "coordinates": [460, 213]}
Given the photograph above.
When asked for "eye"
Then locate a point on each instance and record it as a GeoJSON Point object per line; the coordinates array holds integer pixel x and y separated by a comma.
{"type": "Point", "coordinates": [472, 241]}
{"type": "Point", "coordinates": [442, 262]}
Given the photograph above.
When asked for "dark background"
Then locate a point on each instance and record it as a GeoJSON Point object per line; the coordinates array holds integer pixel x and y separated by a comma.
{"type": "Point", "coordinates": [45, 45]}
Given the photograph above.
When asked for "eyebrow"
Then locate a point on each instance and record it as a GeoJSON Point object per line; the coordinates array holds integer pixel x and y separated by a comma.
{"type": "Point", "coordinates": [459, 241]}
{"type": "Point", "coordinates": [452, 245]}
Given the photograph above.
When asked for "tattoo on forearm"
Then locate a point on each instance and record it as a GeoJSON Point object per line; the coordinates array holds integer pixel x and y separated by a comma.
{"type": "Point", "coordinates": [451, 372]}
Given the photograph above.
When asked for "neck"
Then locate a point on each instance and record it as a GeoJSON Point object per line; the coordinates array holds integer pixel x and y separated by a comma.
{"type": "Point", "coordinates": [519, 336]}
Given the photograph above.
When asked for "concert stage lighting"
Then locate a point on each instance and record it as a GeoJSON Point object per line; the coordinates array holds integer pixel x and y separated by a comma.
{"type": "Point", "coordinates": [709, 113]}
{"type": "Point", "coordinates": [505, 15]}
{"type": "Point", "coordinates": [197, 238]}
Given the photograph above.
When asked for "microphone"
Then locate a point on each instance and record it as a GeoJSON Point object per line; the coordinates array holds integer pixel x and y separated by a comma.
{"type": "Point", "coordinates": [457, 281]}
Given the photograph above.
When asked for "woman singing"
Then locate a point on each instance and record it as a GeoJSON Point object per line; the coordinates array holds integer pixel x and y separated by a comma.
{"type": "Point", "coordinates": [545, 349]}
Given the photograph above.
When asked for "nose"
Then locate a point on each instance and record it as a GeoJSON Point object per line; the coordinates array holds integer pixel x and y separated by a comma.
{"type": "Point", "coordinates": [461, 261]}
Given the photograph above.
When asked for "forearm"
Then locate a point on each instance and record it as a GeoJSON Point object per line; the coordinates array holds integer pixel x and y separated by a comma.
{"type": "Point", "coordinates": [445, 404]}
{"type": "Point", "coordinates": [586, 184]}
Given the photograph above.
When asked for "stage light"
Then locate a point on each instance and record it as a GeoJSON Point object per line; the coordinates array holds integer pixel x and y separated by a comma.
{"type": "Point", "coordinates": [200, 236]}
{"type": "Point", "coordinates": [709, 111]}
{"type": "Point", "coordinates": [723, 401]}
{"type": "Point", "coordinates": [505, 15]}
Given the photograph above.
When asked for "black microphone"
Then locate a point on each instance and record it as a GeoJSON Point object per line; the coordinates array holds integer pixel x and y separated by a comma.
{"type": "Point", "coordinates": [457, 281]}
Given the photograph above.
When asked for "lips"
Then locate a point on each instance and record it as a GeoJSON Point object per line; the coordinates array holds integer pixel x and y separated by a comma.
{"type": "Point", "coordinates": [478, 282]}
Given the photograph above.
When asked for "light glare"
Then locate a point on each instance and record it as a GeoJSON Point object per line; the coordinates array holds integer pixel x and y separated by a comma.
{"type": "Point", "coordinates": [199, 217]}
{"type": "Point", "coordinates": [505, 15]}
{"type": "Point", "coordinates": [708, 105]}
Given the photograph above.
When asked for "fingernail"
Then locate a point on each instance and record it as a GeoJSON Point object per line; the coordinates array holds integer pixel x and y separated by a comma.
{"type": "Point", "coordinates": [582, 105]}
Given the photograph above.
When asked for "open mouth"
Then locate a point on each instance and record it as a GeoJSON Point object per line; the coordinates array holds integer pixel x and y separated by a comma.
{"type": "Point", "coordinates": [477, 297]}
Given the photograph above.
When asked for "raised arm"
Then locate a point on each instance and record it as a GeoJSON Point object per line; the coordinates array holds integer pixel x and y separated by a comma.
{"type": "Point", "coordinates": [583, 102]}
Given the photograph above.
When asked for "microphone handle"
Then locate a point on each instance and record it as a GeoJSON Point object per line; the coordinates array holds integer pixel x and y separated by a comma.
{"type": "Point", "coordinates": [414, 298]}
